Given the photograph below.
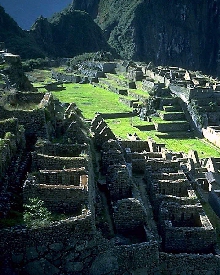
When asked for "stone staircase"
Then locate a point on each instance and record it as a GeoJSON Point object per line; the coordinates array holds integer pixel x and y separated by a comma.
{"type": "Point", "coordinates": [172, 122]}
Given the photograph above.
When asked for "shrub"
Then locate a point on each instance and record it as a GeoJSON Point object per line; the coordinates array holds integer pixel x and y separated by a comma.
{"type": "Point", "coordinates": [35, 214]}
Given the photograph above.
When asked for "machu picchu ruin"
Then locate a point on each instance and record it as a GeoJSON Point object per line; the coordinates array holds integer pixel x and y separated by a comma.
{"type": "Point", "coordinates": [118, 205]}
{"type": "Point", "coordinates": [110, 140]}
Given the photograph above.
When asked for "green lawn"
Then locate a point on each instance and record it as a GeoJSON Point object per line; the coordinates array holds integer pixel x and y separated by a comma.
{"type": "Point", "coordinates": [91, 99]}
{"type": "Point", "coordinates": [184, 145]}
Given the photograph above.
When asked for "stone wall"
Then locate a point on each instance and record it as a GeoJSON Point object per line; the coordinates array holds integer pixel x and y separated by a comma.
{"type": "Point", "coordinates": [117, 115]}
{"type": "Point", "coordinates": [212, 133]}
{"type": "Point", "coordinates": [138, 165]}
{"type": "Point", "coordinates": [41, 161]}
{"type": "Point", "coordinates": [186, 228]}
{"type": "Point", "coordinates": [62, 77]}
{"type": "Point", "coordinates": [59, 232]}
{"type": "Point", "coordinates": [168, 176]}
{"type": "Point", "coordinates": [176, 187]}
{"type": "Point", "coordinates": [10, 145]}
{"type": "Point", "coordinates": [62, 150]}
{"type": "Point", "coordinates": [118, 181]}
{"type": "Point", "coordinates": [172, 126]}
{"type": "Point", "coordinates": [189, 264]}
{"type": "Point", "coordinates": [129, 214]}
{"type": "Point", "coordinates": [214, 201]}
{"type": "Point", "coordinates": [128, 102]}
{"type": "Point", "coordinates": [63, 177]}
{"type": "Point", "coordinates": [189, 240]}
{"type": "Point", "coordinates": [165, 166]}
{"type": "Point", "coordinates": [58, 198]}
{"type": "Point", "coordinates": [141, 98]}
{"type": "Point", "coordinates": [135, 146]}
{"type": "Point", "coordinates": [33, 120]}
{"type": "Point", "coordinates": [137, 256]}
{"type": "Point", "coordinates": [8, 125]}
{"type": "Point", "coordinates": [173, 116]}
{"type": "Point", "coordinates": [25, 98]}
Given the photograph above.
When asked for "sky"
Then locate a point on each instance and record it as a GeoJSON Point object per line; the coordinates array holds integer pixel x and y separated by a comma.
{"type": "Point", "coordinates": [25, 12]}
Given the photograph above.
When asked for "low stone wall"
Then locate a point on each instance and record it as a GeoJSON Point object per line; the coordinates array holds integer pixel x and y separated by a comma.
{"type": "Point", "coordinates": [141, 98]}
{"type": "Point", "coordinates": [189, 264]}
{"type": "Point", "coordinates": [129, 214]}
{"type": "Point", "coordinates": [172, 127]}
{"type": "Point", "coordinates": [8, 125]}
{"type": "Point", "coordinates": [117, 115]}
{"type": "Point", "coordinates": [135, 146]}
{"type": "Point", "coordinates": [188, 239]}
{"type": "Point", "coordinates": [63, 177]}
{"type": "Point", "coordinates": [168, 176]}
{"type": "Point", "coordinates": [34, 121]}
{"type": "Point", "coordinates": [62, 150]}
{"type": "Point", "coordinates": [58, 232]}
{"type": "Point", "coordinates": [62, 77]}
{"type": "Point", "coordinates": [149, 127]}
{"type": "Point", "coordinates": [41, 161]}
{"type": "Point", "coordinates": [29, 98]}
{"type": "Point", "coordinates": [128, 102]}
{"type": "Point", "coordinates": [163, 165]}
{"type": "Point", "coordinates": [146, 155]}
{"type": "Point", "coordinates": [58, 198]}
{"type": "Point", "coordinates": [173, 116]}
{"type": "Point", "coordinates": [214, 201]}
{"type": "Point", "coordinates": [172, 187]}
{"type": "Point", "coordinates": [186, 228]}
{"type": "Point", "coordinates": [137, 256]}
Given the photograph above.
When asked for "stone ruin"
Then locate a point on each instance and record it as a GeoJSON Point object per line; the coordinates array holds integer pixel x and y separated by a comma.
{"type": "Point", "coordinates": [161, 206]}
{"type": "Point", "coordinates": [132, 205]}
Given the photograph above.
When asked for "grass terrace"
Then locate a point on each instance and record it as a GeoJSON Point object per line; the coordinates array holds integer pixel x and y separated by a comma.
{"type": "Point", "coordinates": [91, 99]}
{"type": "Point", "coordinates": [39, 77]}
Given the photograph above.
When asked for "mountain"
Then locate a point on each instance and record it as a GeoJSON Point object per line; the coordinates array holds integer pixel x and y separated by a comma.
{"type": "Point", "coordinates": [16, 40]}
{"type": "Point", "coordinates": [66, 34]}
{"type": "Point", "coordinates": [25, 12]}
{"type": "Point", "coordinates": [178, 33]}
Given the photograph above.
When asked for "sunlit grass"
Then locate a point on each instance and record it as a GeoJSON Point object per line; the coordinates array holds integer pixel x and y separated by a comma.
{"type": "Point", "coordinates": [184, 145]}
{"type": "Point", "coordinates": [122, 126]}
{"type": "Point", "coordinates": [91, 99]}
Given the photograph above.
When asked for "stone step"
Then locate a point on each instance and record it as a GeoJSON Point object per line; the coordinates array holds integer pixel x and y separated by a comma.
{"type": "Point", "coordinates": [201, 170]}
{"type": "Point", "coordinates": [174, 108]}
{"type": "Point", "coordinates": [168, 101]}
{"type": "Point", "coordinates": [171, 135]}
{"type": "Point", "coordinates": [174, 126]}
{"type": "Point", "coordinates": [172, 116]}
